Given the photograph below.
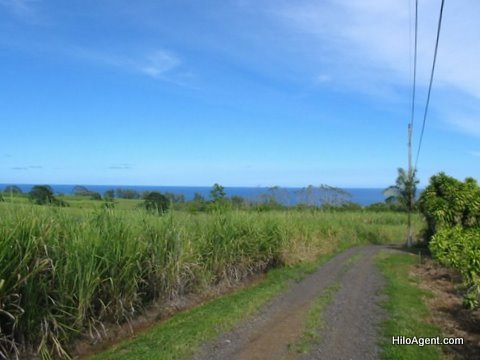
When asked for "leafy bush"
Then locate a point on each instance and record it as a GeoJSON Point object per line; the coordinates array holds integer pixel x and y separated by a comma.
{"type": "Point", "coordinates": [127, 194]}
{"type": "Point", "coordinates": [156, 202]}
{"type": "Point", "coordinates": [43, 195]}
{"type": "Point", "coordinates": [452, 211]}
{"type": "Point", "coordinates": [460, 249]}
{"type": "Point", "coordinates": [447, 202]}
{"type": "Point", "coordinates": [83, 191]}
{"type": "Point", "coordinates": [13, 189]}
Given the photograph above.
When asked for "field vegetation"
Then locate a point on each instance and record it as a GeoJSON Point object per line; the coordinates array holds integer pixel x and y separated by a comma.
{"type": "Point", "coordinates": [66, 271]}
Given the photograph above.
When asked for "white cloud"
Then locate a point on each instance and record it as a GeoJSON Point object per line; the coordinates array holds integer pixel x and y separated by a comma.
{"type": "Point", "coordinates": [373, 36]}
{"type": "Point", "coordinates": [475, 153]}
{"type": "Point", "coordinates": [467, 125]}
{"type": "Point", "coordinates": [364, 43]}
{"type": "Point", "coordinates": [159, 64]}
{"type": "Point", "coordinates": [366, 46]}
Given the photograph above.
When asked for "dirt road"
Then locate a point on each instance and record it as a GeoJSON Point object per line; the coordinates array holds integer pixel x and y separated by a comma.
{"type": "Point", "coordinates": [351, 319]}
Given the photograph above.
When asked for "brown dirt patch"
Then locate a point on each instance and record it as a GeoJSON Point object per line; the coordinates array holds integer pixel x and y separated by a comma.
{"type": "Point", "coordinates": [447, 309]}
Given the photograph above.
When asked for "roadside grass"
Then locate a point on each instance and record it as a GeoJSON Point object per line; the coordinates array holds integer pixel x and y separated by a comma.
{"type": "Point", "coordinates": [183, 334]}
{"type": "Point", "coordinates": [406, 309]}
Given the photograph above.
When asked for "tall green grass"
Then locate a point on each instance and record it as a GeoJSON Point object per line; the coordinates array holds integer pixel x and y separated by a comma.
{"type": "Point", "coordinates": [65, 272]}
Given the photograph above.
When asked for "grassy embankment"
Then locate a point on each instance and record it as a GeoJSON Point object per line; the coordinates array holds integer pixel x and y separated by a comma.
{"type": "Point", "coordinates": [67, 271]}
{"type": "Point", "coordinates": [407, 312]}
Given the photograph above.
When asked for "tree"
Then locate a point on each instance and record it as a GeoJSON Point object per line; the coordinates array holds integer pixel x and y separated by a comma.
{"type": "Point", "coordinates": [83, 191]}
{"type": "Point", "coordinates": [306, 195]}
{"type": "Point", "coordinates": [175, 198]}
{"type": "Point", "coordinates": [238, 202]}
{"type": "Point", "coordinates": [109, 194]}
{"type": "Point", "coordinates": [331, 196]}
{"type": "Point", "coordinates": [156, 202]}
{"type": "Point", "coordinates": [403, 193]}
{"type": "Point", "coordinates": [198, 203]}
{"type": "Point", "coordinates": [95, 195]}
{"type": "Point", "coordinates": [43, 195]}
{"type": "Point", "coordinates": [197, 197]}
{"type": "Point", "coordinates": [127, 194]}
{"type": "Point", "coordinates": [448, 202]}
{"type": "Point", "coordinates": [12, 189]}
{"type": "Point", "coordinates": [217, 193]}
{"type": "Point", "coordinates": [80, 190]}
{"type": "Point", "coordinates": [274, 198]}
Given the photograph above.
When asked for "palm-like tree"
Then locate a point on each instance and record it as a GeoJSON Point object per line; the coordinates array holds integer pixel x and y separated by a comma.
{"type": "Point", "coordinates": [404, 190]}
{"type": "Point", "coordinates": [403, 193]}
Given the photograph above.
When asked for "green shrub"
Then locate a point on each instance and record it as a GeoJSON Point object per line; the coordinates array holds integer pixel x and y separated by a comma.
{"type": "Point", "coordinates": [460, 249]}
{"type": "Point", "coordinates": [447, 202]}
{"type": "Point", "coordinates": [156, 202]}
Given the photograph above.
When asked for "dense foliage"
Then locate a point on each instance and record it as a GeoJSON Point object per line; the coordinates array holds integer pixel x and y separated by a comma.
{"type": "Point", "coordinates": [43, 195]}
{"type": "Point", "coordinates": [452, 211]}
{"type": "Point", "coordinates": [156, 202]}
{"type": "Point", "coordinates": [403, 193]}
{"type": "Point", "coordinates": [447, 202]}
{"type": "Point", "coordinates": [460, 249]}
{"type": "Point", "coordinates": [12, 189]}
{"type": "Point", "coordinates": [83, 191]}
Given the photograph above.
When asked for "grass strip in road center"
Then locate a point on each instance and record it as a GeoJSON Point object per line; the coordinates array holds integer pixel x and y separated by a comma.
{"type": "Point", "coordinates": [314, 321]}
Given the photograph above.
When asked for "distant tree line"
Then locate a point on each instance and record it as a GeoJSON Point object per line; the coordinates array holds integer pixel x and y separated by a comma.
{"type": "Point", "coordinates": [314, 198]}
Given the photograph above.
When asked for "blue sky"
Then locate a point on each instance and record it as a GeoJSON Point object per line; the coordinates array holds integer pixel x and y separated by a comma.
{"type": "Point", "coordinates": [243, 93]}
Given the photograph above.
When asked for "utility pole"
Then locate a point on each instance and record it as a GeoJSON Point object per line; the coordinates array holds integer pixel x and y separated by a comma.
{"type": "Point", "coordinates": [409, 190]}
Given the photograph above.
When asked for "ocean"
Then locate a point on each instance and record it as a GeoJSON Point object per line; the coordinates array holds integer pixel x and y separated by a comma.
{"type": "Point", "coordinates": [290, 196]}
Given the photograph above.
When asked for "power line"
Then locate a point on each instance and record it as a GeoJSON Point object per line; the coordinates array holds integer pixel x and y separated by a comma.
{"type": "Point", "coordinates": [431, 81]}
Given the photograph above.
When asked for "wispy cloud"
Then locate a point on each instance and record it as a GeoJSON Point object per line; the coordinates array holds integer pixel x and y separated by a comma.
{"type": "Point", "coordinates": [365, 46]}
{"type": "Point", "coordinates": [475, 153]}
{"type": "Point", "coordinates": [124, 166]}
{"type": "Point", "coordinates": [159, 64]}
{"type": "Point", "coordinates": [371, 38]}
{"type": "Point", "coordinates": [345, 38]}
{"type": "Point", "coordinates": [467, 125]}
{"type": "Point", "coordinates": [29, 167]}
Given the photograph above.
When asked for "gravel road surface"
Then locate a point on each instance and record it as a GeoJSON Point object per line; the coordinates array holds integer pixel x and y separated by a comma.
{"type": "Point", "coordinates": [351, 319]}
